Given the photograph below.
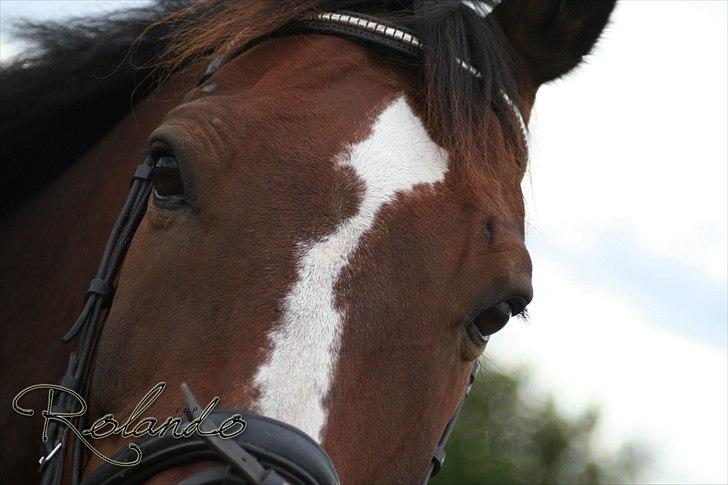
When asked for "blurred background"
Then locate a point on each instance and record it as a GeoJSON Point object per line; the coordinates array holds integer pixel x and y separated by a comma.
{"type": "Point", "coordinates": [621, 373]}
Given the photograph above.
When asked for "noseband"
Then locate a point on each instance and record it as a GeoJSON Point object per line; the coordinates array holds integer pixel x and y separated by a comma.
{"type": "Point", "coordinates": [269, 452]}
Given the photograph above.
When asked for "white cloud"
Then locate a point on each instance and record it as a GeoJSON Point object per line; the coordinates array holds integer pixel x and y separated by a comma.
{"type": "Point", "coordinates": [590, 347]}
{"type": "Point", "coordinates": [635, 143]}
{"type": "Point", "coordinates": [639, 135]}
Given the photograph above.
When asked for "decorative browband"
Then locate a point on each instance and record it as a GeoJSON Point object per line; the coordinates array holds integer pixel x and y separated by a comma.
{"type": "Point", "coordinates": [400, 38]}
{"type": "Point", "coordinates": [365, 29]}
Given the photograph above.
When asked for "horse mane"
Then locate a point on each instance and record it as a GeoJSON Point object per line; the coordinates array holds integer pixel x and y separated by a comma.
{"type": "Point", "coordinates": [80, 77]}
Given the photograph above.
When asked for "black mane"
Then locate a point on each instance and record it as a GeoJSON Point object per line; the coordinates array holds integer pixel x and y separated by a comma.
{"type": "Point", "coordinates": [82, 76]}
{"type": "Point", "coordinates": [78, 79]}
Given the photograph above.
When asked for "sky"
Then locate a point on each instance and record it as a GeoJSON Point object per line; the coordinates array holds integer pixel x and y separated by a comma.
{"type": "Point", "coordinates": [627, 203]}
{"type": "Point", "coordinates": [627, 212]}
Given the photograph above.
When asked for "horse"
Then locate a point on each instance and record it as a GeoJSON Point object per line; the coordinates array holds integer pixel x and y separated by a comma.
{"type": "Point", "coordinates": [327, 226]}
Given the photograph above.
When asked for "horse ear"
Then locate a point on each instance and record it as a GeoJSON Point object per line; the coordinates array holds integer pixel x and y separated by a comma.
{"type": "Point", "coordinates": [552, 36]}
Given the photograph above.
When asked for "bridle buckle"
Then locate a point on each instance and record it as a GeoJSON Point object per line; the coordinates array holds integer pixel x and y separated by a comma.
{"type": "Point", "coordinates": [44, 459]}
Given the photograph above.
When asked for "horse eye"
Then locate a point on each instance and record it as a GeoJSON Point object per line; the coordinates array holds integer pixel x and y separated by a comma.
{"type": "Point", "coordinates": [167, 180]}
{"type": "Point", "coordinates": [493, 319]}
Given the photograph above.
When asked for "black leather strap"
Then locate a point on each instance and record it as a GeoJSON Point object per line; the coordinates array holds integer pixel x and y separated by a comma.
{"type": "Point", "coordinates": [352, 31]}
{"type": "Point", "coordinates": [294, 456]}
{"type": "Point", "coordinates": [438, 457]}
{"type": "Point", "coordinates": [240, 460]}
{"type": "Point", "coordinates": [219, 475]}
{"type": "Point", "coordinates": [356, 31]}
{"type": "Point", "coordinates": [86, 327]}
{"type": "Point", "coordinates": [143, 172]}
{"type": "Point", "coordinates": [102, 288]}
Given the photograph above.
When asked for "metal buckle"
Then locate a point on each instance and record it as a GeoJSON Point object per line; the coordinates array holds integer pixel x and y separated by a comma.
{"type": "Point", "coordinates": [44, 459]}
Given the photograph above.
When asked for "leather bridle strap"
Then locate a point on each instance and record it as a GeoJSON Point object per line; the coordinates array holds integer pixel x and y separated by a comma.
{"type": "Point", "coordinates": [438, 458]}
{"type": "Point", "coordinates": [352, 26]}
{"type": "Point", "coordinates": [361, 28]}
{"type": "Point", "coordinates": [295, 458]}
{"type": "Point", "coordinates": [372, 32]}
{"type": "Point", "coordinates": [239, 459]}
{"type": "Point", "coordinates": [98, 299]}
{"type": "Point", "coordinates": [357, 27]}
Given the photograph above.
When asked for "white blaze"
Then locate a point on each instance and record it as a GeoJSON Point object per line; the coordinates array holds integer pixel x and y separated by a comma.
{"type": "Point", "coordinates": [295, 379]}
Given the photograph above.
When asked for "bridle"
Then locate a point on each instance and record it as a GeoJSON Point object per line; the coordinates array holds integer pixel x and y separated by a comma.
{"type": "Point", "coordinates": [269, 451]}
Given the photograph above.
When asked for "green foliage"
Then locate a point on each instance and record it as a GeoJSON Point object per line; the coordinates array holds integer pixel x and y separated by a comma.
{"type": "Point", "coordinates": [501, 438]}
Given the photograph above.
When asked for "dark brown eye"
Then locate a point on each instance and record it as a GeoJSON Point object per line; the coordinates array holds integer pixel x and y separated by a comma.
{"type": "Point", "coordinates": [167, 180]}
{"type": "Point", "coordinates": [492, 319]}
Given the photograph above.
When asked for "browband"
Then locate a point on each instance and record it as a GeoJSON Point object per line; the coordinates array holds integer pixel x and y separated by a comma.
{"type": "Point", "coordinates": [361, 28]}
{"type": "Point", "coordinates": [356, 27]}
{"type": "Point", "coordinates": [369, 29]}
{"type": "Point", "coordinates": [366, 30]}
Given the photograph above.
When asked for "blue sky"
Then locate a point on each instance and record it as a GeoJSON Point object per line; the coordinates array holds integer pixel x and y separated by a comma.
{"type": "Point", "coordinates": [627, 207]}
{"type": "Point", "coordinates": [678, 296]}
{"type": "Point", "coordinates": [627, 204]}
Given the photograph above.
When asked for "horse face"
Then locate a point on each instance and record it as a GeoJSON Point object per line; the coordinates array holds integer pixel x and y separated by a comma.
{"type": "Point", "coordinates": [312, 254]}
